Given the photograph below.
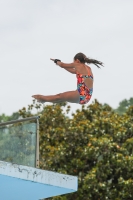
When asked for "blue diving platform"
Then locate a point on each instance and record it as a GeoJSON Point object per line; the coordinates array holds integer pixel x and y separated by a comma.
{"type": "Point", "coordinates": [24, 183]}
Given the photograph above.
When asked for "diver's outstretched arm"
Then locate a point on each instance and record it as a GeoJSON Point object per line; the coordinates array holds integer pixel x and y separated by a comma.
{"type": "Point", "coordinates": [64, 65]}
{"type": "Point", "coordinates": [71, 70]}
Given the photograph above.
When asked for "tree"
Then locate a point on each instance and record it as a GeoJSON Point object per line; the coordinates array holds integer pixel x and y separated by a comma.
{"type": "Point", "coordinates": [96, 145]}
{"type": "Point", "coordinates": [124, 105]}
{"type": "Point", "coordinates": [5, 118]}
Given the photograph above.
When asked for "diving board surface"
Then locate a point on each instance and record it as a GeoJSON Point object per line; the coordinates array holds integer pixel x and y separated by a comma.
{"type": "Point", "coordinates": [18, 182]}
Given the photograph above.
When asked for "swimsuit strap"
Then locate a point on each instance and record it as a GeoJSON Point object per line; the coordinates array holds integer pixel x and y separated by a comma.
{"type": "Point", "coordinates": [85, 76]}
{"type": "Point", "coordinates": [88, 72]}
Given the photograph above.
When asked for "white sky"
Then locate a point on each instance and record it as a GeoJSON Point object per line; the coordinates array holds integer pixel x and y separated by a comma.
{"type": "Point", "coordinates": [31, 32]}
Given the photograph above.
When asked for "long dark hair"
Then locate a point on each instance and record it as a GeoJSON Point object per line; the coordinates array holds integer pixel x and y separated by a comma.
{"type": "Point", "coordinates": [83, 59]}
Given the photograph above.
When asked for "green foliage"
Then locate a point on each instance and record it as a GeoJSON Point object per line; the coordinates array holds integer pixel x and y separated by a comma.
{"type": "Point", "coordinates": [4, 118]}
{"type": "Point", "coordinates": [96, 145]}
{"type": "Point", "coordinates": [124, 105]}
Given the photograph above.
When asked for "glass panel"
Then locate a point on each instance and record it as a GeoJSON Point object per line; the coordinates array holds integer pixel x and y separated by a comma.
{"type": "Point", "coordinates": [18, 143]}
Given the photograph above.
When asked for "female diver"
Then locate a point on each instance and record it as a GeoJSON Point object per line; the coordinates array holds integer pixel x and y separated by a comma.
{"type": "Point", "coordinates": [84, 81]}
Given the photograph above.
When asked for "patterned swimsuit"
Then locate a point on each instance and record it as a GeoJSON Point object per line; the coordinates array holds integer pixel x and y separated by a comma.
{"type": "Point", "coordinates": [84, 91]}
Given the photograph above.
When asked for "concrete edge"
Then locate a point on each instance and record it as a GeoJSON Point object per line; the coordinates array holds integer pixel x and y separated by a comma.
{"type": "Point", "coordinates": [39, 175]}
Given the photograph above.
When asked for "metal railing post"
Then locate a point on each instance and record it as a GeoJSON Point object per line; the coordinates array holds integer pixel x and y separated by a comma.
{"type": "Point", "coordinates": [37, 145]}
{"type": "Point", "coordinates": [19, 120]}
